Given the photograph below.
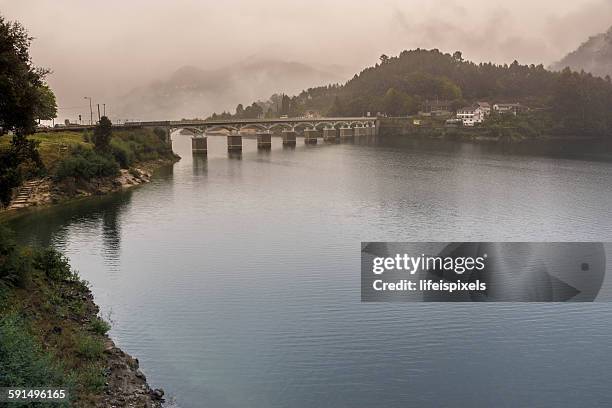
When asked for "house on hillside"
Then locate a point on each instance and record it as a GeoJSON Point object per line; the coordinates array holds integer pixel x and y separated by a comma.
{"type": "Point", "coordinates": [475, 114]}
{"type": "Point", "coordinates": [513, 108]}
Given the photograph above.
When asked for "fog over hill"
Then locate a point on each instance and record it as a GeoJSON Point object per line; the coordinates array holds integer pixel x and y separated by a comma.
{"type": "Point", "coordinates": [192, 92]}
{"type": "Point", "coordinates": [594, 56]}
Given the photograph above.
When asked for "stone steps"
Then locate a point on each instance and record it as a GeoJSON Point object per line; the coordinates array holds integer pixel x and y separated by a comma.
{"type": "Point", "coordinates": [22, 199]}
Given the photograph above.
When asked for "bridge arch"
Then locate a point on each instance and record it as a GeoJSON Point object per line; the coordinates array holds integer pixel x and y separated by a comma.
{"type": "Point", "coordinates": [304, 124]}
{"type": "Point", "coordinates": [216, 128]}
{"type": "Point", "coordinates": [282, 126]}
{"type": "Point", "coordinates": [321, 125]}
{"type": "Point", "coordinates": [254, 126]}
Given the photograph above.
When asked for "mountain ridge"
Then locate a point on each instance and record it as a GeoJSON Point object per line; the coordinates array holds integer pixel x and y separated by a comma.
{"type": "Point", "coordinates": [594, 56]}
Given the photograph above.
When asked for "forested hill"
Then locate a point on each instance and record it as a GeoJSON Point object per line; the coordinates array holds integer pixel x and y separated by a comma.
{"type": "Point", "coordinates": [574, 103]}
{"type": "Point", "coordinates": [421, 75]}
{"type": "Point", "coordinates": [594, 56]}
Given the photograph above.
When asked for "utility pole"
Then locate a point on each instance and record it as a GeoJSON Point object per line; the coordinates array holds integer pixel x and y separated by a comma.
{"type": "Point", "coordinates": [98, 112]}
{"type": "Point", "coordinates": [104, 108]}
{"type": "Point", "coordinates": [90, 110]}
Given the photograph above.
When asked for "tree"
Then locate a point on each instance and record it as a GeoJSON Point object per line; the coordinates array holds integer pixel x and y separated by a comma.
{"type": "Point", "coordinates": [25, 96]}
{"type": "Point", "coordinates": [396, 103]}
{"type": "Point", "coordinates": [384, 59]}
{"type": "Point", "coordinates": [285, 105]}
{"type": "Point", "coordinates": [47, 108]}
{"type": "Point", "coordinates": [337, 108]}
{"type": "Point", "coordinates": [102, 134]}
{"type": "Point", "coordinates": [239, 111]}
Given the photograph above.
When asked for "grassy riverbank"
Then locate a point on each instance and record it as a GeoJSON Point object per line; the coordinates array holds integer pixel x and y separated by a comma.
{"type": "Point", "coordinates": [51, 334]}
{"type": "Point", "coordinates": [127, 147]}
{"type": "Point", "coordinates": [71, 165]}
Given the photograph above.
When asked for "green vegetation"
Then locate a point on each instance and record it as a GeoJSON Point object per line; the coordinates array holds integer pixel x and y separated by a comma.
{"type": "Point", "coordinates": [139, 145]}
{"type": "Point", "coordinates": [47, 333]}
{"type": "Point", "coordinates": [23, 362]}
{"type": "Point", "coordinates": [90, 348]}
{"type": "Point", "coordinates": [86, 164]}
{"type": "Point", "coordinates": [100, 326]}
{"type": "Point", "coordinates": [102, 134]}
{"type": "Point", "coordinates": [64, 155]}
{"type": "Point", "coordinates": [53, 264]}
{"type": "Point", "coordinates": [14, 267]}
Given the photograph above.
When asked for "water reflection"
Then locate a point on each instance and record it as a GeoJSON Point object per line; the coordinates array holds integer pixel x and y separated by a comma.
{"type": "Point", "coordinates": [200, 164]}
{"type": "Point", "coordinates": [92, 216]}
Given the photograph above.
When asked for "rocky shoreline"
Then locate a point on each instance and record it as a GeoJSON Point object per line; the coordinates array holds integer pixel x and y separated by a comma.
{"type": "Point", "coordinates": [46, 191]}
{"type": "Point", "coordinates": [125, 385]}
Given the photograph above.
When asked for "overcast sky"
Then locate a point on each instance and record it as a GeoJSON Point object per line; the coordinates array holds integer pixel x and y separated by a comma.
{"type": "Point", "coordinates": [104, 48]}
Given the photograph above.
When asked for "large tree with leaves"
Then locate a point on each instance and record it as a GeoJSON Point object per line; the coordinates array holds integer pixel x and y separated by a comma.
{"type": "Point", "coordinates": [24, 98]}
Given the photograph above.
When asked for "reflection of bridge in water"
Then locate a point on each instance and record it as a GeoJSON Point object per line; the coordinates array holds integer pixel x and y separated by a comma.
{"type": "Point", "coordinates": [330, 129]}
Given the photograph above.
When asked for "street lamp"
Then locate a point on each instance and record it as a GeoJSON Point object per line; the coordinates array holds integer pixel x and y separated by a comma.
{"type": "Point", "coordinates": [90, 110]}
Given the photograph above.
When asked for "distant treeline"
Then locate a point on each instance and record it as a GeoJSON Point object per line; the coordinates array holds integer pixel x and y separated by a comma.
{"type": "Point", "coordinates": [570, 103]}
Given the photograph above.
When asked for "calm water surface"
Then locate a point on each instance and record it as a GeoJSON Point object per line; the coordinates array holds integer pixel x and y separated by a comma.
{"type": "Point", "coordinates": [236, 281]}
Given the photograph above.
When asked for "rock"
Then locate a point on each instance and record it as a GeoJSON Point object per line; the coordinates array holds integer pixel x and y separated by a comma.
{"type": "Point", "coordinates": [141, 375]}
{"type": "Point", "coordinates": [158, 394]}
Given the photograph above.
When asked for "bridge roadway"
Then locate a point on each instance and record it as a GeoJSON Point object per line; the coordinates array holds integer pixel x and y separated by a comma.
{"type": "Point", "coordinates": [237, 124]}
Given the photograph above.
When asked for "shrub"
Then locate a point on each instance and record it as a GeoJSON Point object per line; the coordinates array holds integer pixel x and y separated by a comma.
{"type": "Point", "coordinates": [122, 152]}
{"type": "Point", "coordinates": [14, 266]}
{"type": "Point", "coordinates": [92, 378]}
{"type": "Point", "coordinates": [22, 361]}
{"type": "Point", "coordinates": [86, 164]}
{"type": "Point", "coordinates": [100, 326]}
{"type": "Point", "coordinates": [160, 133]}
{"type": "Point", "coordinates": [54, 264]}
{"type": "Point", "coordinates": [102, 134]}
{"type": "Point", "coordinates": [89, 347]}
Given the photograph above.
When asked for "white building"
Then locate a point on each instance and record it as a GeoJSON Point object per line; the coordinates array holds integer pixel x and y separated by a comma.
{"type": "Point", "coordinates": [513, 108]}
{"type": "Point", "coordinates": [475, 114]}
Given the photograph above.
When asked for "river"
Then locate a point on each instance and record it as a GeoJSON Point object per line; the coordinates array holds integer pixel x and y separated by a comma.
{"type": "Point", "coordinates": [236, 281]}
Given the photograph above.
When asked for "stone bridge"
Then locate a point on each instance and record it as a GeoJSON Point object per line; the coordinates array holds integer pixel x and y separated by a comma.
{"type": "Point", "coordinates": [330, 129]}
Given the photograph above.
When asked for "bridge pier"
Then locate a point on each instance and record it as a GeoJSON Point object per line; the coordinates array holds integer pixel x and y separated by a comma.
{"type": "Point", "coordinates": [346, 133]}
{"type": "Point", "coordinates": [358, 130]}
{"type": "Point", "coordinates": [371, 130]}
{"type": "Point", "coordinates": [199, 145]}
{"type": "Point", "coordinates": [288, 138]}
{"type": "Point", "coordinates": [330, 134]}
{"type": "Point", "coordinates": [234, 143]}
{"type": "Point", "coordinates": [264, 140]}
{"type": "Point", "coordinates": [310, 136]}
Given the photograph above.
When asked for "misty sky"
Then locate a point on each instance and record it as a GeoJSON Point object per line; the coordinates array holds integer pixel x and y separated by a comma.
{"type": "Point", "coordinates": [105, 48]}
